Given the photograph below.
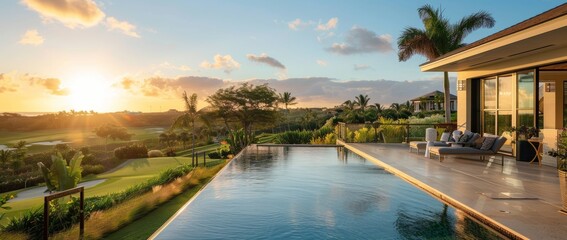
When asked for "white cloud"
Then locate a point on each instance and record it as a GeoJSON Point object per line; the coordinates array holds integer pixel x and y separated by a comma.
{"type": "Point", "coordinates": [31, 37]}
{"type": "Point", "coordinates": [121, 26]}
{"type": "Point", "coordinates": [264, 58]}
{"type": "Point", "coordinates": [361, 40]}
{"type": "Point", "coordinates": [51, 84]}
{"type": "Point", "coordinates": [322, 63]}
{"type": "Point", "coordinates": [226, 62]}
{"type": "Point", "coordinates": [359, 67]}
{"type": "Point", "coordinates": [331, 24]}
{"type": "Point", "coordinates": [298, 23]}
{"type": "Point", "coordinates": [72, 13]}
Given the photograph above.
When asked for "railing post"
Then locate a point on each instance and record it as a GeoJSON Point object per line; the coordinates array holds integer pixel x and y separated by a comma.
{"type": "Point", "coordinates": [45, 218]}
{"type": "Point", "coordinates": [204, 159]}
{"type": "Point", "coordinates": [407, 133]}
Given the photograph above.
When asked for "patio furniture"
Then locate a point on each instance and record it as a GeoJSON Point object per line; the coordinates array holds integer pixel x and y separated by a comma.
{"type": "Point", "coordinates": [538, 149]}
{"type": "Point", "coordinates": [421, 145]}
{"type": "Point", "coordinates": [443, 152]}
{"type": "Point", "coordinates": [430, 137]}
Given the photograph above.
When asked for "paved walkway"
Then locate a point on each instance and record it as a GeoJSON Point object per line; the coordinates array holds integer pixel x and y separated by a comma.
{"type": "Point", "coordinates": [40, 191]}
{"type": "Point", "coordinates": [518, 198]}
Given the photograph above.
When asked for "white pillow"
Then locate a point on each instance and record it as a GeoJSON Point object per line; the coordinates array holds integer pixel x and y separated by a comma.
{"type": "Point", "coordinates": [445, 137]}
{"type": "Point", "coordinates": [457, 134]}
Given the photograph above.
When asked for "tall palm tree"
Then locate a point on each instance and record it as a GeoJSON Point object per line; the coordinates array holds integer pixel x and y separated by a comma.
{"type": "Point", "coordinates": [287, 100]}
{"type": "Point", "coordinates": [187, 120]}
{"type": "Point", "coordinates": [439, 37]}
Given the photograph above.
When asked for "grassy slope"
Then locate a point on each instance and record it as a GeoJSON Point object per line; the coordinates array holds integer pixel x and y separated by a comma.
{"type": "Point", "coordinates": [134, 172]}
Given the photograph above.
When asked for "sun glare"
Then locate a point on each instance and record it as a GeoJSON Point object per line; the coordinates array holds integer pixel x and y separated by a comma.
{"type": "Point", "coordinates": [90, 92]}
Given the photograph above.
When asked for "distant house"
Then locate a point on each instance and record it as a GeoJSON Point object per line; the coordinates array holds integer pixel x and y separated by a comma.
{"type": "Point", "coordinates": [433, 101]}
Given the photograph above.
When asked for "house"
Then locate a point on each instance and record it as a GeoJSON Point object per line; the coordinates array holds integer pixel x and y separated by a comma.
{"type": "Point", "coordinates": [433, 101]}
{"type": "Point", "coordinates": [515, 77]}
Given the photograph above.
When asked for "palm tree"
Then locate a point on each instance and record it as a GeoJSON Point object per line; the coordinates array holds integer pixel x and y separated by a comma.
{"type": "Point", "coordinates": [187, 120]}
{"type": "Point", "coordinates": [438, 38]}
{"type": "Point", "coordinates": [287, 100]}
{"type": "Point", "coordinates": [362, 101]}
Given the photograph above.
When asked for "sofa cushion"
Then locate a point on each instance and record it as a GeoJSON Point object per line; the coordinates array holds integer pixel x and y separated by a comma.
{"type": "Point", "coordinates": [478, 142]}
{"type": "Point", "coordinates": [445, 137]}
{"type": "Point", "coordinates": [463, 138]}
{"type": "Point", "coordinates": [498, 144]}
{"type": "Point", "coordinates": [487, 143]}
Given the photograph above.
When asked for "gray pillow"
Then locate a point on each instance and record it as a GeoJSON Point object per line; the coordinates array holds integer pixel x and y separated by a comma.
{"type": "Point", "coordinates": [464, 138]}
{"type": "Point", "coordinates": [487, 143]}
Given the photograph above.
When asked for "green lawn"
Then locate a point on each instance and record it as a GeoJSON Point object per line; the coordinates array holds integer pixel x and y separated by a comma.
{"type": "Point", "coordinates": [134, 172]}
{"type": "Point", "coordinates": [76, 137]}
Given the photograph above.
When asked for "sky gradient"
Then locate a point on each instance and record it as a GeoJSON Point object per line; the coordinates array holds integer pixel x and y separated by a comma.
{"type": "Point", "coordinates": [132, 55]}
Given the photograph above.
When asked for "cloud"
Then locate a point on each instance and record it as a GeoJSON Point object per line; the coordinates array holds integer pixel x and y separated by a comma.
{"type": "Point", "coordinates": [51, 84]}
{"type": "Point", "coordinates": [6, 83]}
{"type": "Point", "coordinates": [322, 63]}
{"type": "Point", "coordinates": [298, 23]}
{"type": "Point", "coordinates": [167, 65]}
{"type": "Point", "coordinates": [222, 62]}
{"type": "Point", "coordinates": [264, 58]}
{"type": "Point", "coordinates": [127, 83]}
{"type": "Point", "coordinates": [359, 67]}
{"type": "Point", "coordinates": [31, 37]}
{"type": "Point", "coordinates": [72, 13]}
{"type": "Point", "coordinates": [158, 86]}
{"type": "Point", "coordinates": [121, 26]}
{"type": "Point", "coordinates": [331, 24]}
{"type": "Point", "coordinates": [361, 40]}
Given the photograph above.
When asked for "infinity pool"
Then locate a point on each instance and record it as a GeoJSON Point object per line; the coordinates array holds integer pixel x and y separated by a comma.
{"type": "Point", "coordinates": [315, 193]}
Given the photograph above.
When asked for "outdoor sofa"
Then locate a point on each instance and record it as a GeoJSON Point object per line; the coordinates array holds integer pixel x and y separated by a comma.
{"type": "Point", "coordinates": [443, 152]}
{"type": "Point", "coordinates": [421, 145]}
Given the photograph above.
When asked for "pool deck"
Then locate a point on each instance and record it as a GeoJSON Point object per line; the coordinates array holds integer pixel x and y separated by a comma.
{"type": "Point", "coordinates": [519, 199]}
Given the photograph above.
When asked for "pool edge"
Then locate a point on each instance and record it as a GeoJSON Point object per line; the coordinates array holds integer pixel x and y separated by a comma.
{"type": "Point", "coordinates": [180, 210]}
{"type": "Point", "coordinates": [500, 228]}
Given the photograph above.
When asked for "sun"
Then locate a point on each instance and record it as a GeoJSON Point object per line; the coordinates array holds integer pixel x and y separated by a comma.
{"type": "Point", "coordinates": [90, 91]}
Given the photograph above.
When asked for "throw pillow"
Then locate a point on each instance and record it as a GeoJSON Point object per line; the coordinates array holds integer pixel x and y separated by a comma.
{"type": "Point", "coordinates": [445, 136]}
{"type": "Point", "coordinates": [478, 142]}
{"type": "Point", "coordinates": [487, 144]}
{"type": "Point", "coordinates": [463, 139]}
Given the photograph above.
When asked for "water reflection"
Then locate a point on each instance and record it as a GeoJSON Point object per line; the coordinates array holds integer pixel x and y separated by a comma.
{"type": "Point", "coordinates": [312, 193]}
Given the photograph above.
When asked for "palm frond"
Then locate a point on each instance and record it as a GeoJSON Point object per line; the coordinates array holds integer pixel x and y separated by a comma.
{"type": "Point", "coordinates": [415, 41]}
{"type": "Point", "coordinates": [470, 23]}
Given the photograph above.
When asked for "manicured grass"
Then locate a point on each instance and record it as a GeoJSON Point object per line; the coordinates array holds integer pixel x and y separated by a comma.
{"type": "Point", "coordinates": [75, 136]}
{"type": "Point", "coordinates": [134, 172]}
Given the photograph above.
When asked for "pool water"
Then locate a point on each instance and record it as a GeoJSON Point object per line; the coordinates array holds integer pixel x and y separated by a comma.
{"type": "Point", "coordinates": [315, 193]}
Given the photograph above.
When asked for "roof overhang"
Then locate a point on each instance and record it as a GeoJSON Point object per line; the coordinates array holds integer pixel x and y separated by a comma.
{"type": "Point", "coordinates": [547, 37]}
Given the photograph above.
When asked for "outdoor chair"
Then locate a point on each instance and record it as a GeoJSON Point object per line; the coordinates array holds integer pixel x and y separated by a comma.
{"type": "Point", "coordinates": [443, 152]}
{"type": "Point", "coordinates": [444, 142]}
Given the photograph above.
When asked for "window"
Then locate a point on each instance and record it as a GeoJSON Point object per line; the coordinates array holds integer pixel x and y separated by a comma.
{"type": "Point", "coordinates": [525, 98]}
{"type": "Point", "coordinates": [498, 95]}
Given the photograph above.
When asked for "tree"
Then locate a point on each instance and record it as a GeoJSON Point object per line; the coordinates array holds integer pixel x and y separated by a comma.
{"type": "Point", "coordinates": [184, 138]}
{"type": "Point", "coordinates": [248, 104]}
{"type": "Point", "coordinates": [362, 102]}
{"type": "Point", "coordinates": [439, 37]}
{"type": "Point", "coordinates": [186, 121]}
{"type": "Point", "coordinates": [287, 100]}
{"type": "Point", "coordinates": [111, 131]}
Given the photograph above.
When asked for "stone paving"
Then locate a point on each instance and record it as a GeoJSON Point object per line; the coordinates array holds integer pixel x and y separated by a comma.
{"type": "Point", "coordinates": [518, 198]}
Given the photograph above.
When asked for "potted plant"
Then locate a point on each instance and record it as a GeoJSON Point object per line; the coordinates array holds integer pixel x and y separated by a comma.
{"type": "Point", "coordinates": [561, 155]}
{"type": "Point", "coordinates": [524, 149]}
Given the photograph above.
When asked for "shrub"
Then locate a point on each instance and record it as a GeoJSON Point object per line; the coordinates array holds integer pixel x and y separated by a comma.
{"type": "Point", "coordinates": [365, 135]}
{"type": "Point", "coordinates": [294, 137]}
{"type": "Point", "coordinates": [132, 151]}
{"type": "Point", "coordinates": [155, 153]}
{"type": "Point", "coordinates": [214, 155]}
{"type": "Point", "coordinates": [93, 169]}
{"type": "Point", "coordinates": [170, 152]}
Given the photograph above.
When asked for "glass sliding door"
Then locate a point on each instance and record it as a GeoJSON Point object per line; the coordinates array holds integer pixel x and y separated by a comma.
{"type": "Point", "coordinates": [526, 99]}
{"type": "Point", "coordinates": [489, 105]}
{"type": "Point", "coordinates": [498, 103]}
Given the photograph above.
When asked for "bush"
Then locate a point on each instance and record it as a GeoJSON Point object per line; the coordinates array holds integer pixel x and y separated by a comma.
{"type": "Point", "coordinates": [294, 137]}
{"type": "Point", "coordinates": [365, 135]}
{"type": "Point", "coordinates": [214, 155]}
{"type": "Point", "coordinates": [132, 151]}
{"type": "Point", "coordinates": [155, 153]}
{"type": "Point", "coordinates": [93, 169]}
{"type": "Point", "coordinates": [170, 152]}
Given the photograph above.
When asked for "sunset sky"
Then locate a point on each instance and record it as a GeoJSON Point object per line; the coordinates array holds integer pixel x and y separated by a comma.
{"type": "Point", "coordinates": [114, 55]}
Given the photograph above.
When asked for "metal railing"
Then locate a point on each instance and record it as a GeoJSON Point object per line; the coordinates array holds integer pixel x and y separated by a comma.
{"type": "Point", "coordinates": [389, 132]}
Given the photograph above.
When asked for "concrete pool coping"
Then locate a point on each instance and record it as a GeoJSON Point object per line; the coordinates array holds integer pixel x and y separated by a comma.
{"type": "Point", "coordinates": [468, 185]}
